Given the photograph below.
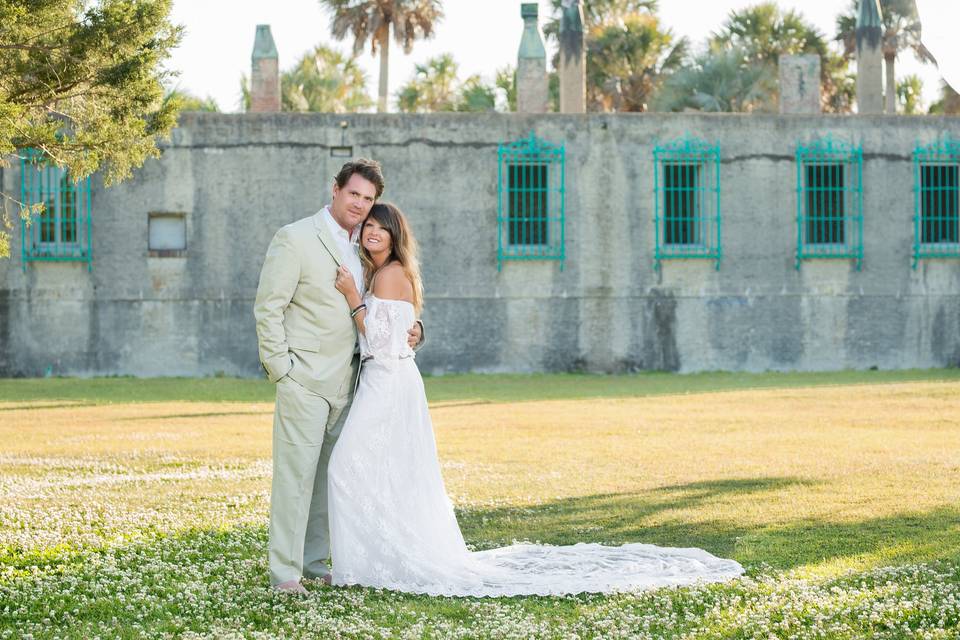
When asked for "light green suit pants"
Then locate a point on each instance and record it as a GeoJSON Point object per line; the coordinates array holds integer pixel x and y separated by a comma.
{"type": "Point", "coordinates": [305, 429]}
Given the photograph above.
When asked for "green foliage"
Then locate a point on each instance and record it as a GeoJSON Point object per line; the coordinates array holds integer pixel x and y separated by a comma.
{"type": "Point", "coordinates": [373, 20]}
{"type": "Point", "coordinates": [506, 81]}
{"type": "Point", "coordinates": [909, 94]}
{"type": "Point", "coordinates": [434, 87]}
{"type": "Point", "coordinates": [325, 80]}
{"type": "Point", "coordinates": [738, 72]}
{"type": "Point", "coordinates": [627, 61]}
{"type": "Point", "coordinates": [721, 81]}
{"type": "Point", "coordinates": [765, 32]}
{"type": "Point", "coordinates": [597, 12]}
{"type": "Point", "coordinates": [949, 102]}
{"type": "Point", "coordinates": [901, 29]}
{"type": "Point", "coordinates": [901, 32]}
{"type": "Point", "coordinates": [84, 82]}
{"type": "Point", "coordinates": [475, 95]}
{"type": "Point", "coordinates": [628, 54]}
{"type": "Point", "coordinates": [189, 102]}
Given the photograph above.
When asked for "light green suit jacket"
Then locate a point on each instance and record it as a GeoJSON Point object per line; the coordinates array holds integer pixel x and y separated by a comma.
{"type": "Point", "coordinates": [304, 329]}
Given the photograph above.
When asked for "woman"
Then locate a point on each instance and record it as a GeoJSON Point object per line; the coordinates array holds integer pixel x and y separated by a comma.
{"type": "Point", "coordinates": [391, 523]}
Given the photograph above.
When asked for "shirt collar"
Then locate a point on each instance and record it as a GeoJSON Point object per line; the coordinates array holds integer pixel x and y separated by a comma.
{"type": "Point", "coordinates": [353, 237]}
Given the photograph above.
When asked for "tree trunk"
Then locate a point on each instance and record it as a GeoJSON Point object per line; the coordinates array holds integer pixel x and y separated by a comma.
{"type": "Point", "coordinates": [384, 63]}
{"type": "Point", "coordinates": [890, 98]}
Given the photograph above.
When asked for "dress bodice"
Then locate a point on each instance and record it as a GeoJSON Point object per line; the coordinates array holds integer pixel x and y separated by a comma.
{"type": "Point", "coordinates": [386, 325]}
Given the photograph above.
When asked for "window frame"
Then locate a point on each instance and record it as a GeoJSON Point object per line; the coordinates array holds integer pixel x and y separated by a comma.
{"type": "Point", "coordinates": [43, 182]}
{"type": "Point", "coordinates": [531, 152]}
{"type": "Point", "coordinates": [829, 152]}
{"type": "Point", "coordinates": [941, 153]}
{"type": "Point", "coordinates": [706, 222]}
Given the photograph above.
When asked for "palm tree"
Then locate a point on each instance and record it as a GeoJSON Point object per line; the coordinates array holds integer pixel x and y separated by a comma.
{"type": "Point", "coordinates": [720, 81]}
{"type": "Point", "coordinates": [432, 87]}
{"type": "Point", "coordinates": [506, 81]}
{"type": "Point", "coordinates": [476, 95]}
{"type": "Point", "coordinates": [373, 20]}
{"type": "Point", "coordinates": [597, 12]}
{"type": "Point", "coordinates": [901, 32]}
{"type": "Point", "coordinates": [909, 93]}
{"type": "Point", "coordinates": [627, 60]}
{"type": "Point", "coordinates": [325, 80]}
{"type": "Point", "coordinates": [763, 32]}
{"type": "Point", "coordinates": [599, 17]}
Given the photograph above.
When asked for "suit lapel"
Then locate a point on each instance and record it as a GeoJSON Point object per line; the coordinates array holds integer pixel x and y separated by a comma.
{"type": "Point", "coordinates": [323, 232]}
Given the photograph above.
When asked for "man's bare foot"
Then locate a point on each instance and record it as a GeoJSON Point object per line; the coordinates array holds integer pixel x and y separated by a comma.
{"type": "Point", "coordinates": [291, 586]}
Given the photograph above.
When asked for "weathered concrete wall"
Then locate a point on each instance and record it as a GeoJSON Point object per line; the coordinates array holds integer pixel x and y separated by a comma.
{"type": "Point", "coordinates": [240, 177]}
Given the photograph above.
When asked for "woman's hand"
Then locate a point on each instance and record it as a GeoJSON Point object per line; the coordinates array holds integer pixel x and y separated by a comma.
{"type": "Point", "coordinates": [346, 285]}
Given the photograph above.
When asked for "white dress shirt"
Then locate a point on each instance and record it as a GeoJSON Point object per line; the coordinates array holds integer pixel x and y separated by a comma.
{"type": "Point", "coordinates": [348, 244]}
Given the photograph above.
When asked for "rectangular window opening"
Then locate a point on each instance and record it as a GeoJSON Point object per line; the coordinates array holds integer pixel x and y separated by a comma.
{"type": "Point", "coordinates": [682, 203]}
{"type": "Point", "coordinates": [59, 229]}
{"type": "Point", "coordinates": [939, 199]}
{"type": "Point", "coordinates": [826, 206]}
{"type": "Point", "coordinates": [166, 234]}
{"type": "Point", "coordinates": [527, 204]}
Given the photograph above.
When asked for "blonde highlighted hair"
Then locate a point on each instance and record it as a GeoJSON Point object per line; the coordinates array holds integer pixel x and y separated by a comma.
{"type": "Point", "coordinates": [403, 249]}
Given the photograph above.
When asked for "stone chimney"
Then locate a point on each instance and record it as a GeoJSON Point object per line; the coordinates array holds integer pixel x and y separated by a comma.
{"type": "Point", "coordinates": [869, 58]}
{"type": "Point", "coordinates": [573, 68]}
{"type": "Point", "coordinates": [799, 83]}
{"type": "Point", "coordinates": [264, 73]}
{"type": "Point", "coordinates": [532, 95]}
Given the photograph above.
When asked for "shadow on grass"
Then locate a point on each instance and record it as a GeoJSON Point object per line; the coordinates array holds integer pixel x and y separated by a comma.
{"type": "Point", "coordinates": [31, 406]}
{"type": "Point", "coordinates": [621, 518]}
{"type": "Point", "coordinates": [226, 568]}
{"type": "Point", "coordinates": [212, 414]}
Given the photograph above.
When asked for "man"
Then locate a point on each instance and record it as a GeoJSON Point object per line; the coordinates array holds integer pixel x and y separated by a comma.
{"type": "Point", "coordinates": [307, 343]}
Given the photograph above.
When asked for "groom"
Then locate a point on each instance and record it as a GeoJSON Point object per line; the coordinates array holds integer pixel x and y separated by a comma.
{"type": "Point", "coordinates": [307, 342]}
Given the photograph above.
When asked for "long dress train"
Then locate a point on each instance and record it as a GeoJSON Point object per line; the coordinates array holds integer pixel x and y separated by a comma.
{"type": "Point", "coordinates": [393, 526]}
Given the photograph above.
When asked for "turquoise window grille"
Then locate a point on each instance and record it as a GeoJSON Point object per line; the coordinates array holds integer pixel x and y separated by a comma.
{"type": "Point", "coordinates": [936, 213]}
{"type": "Point", "coordinates": [686, 186]}
{"type": "Point", "coordinates": [60, 230]}
{"type": "Point", "coordinates": [531, 201]}
{"type": "Point", "coordinates": [829, 201]}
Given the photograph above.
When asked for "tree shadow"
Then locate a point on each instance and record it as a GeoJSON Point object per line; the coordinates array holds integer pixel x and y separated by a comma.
{"type": "Point", "coordinates": [211, 414]}
{"type": "Point", "coordinates": [906, 537]}
{"type": "Point", "coordinates": [231, 561]}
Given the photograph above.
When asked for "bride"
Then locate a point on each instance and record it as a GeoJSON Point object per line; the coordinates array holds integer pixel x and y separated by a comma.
{"type": "Point", "coordinates": [391, 523]}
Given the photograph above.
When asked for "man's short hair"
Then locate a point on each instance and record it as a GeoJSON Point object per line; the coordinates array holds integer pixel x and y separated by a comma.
{"type": "Point", "coordinates": [366, 168]}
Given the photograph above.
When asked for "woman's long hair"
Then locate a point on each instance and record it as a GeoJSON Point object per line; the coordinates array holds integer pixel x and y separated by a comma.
{"type": "Point", "coordinates": [403, 249]}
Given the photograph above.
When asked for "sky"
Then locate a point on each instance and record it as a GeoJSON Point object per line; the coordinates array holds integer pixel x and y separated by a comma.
{"type": "Point", "coordinates": [482, 35]}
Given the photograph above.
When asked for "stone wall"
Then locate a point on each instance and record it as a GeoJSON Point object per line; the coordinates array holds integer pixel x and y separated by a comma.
{"type": "Point", "coordinates": [237, 178]}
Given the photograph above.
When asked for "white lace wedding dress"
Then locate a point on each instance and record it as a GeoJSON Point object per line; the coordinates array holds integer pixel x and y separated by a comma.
{"type": "Point", "coordinates": [392, 525]}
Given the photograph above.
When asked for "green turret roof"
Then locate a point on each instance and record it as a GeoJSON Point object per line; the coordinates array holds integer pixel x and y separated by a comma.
{"type": "Point", "coordinates": [263, 45]}
{"type": "Point", "coordinates": [531, 44]}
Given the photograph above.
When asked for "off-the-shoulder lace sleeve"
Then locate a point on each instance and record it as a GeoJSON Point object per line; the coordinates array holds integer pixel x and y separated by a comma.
{"type": "Point", "coordinates": [385, 326]}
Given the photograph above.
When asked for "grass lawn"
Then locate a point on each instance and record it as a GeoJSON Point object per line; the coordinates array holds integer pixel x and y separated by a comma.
{"type": "Point", "coordinates": [137, 508]}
